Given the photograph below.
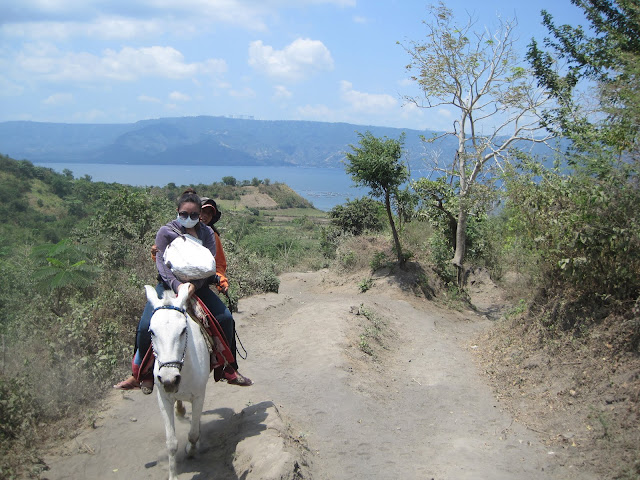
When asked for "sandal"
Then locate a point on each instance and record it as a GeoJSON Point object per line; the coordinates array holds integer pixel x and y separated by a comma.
{"type": "Point", "coordinates": [130, 383]}
{"type": "Point", "coordinates": [236, 379]}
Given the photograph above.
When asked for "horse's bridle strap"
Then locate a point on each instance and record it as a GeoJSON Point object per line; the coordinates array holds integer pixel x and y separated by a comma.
{"type": "Point", "coordinates": [179, 363]}
{"type": "Point", "coordinates": [169, 307]}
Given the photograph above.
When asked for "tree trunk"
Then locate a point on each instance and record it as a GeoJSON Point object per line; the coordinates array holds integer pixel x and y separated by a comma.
{"type": "Point", "coordinates": [396, 239]}
{"type": "Point", "coordinates": [461, 240]}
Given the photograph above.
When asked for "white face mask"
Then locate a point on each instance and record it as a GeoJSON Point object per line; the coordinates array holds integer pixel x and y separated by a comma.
{"type": "Point", "coordinates": [187, 222]}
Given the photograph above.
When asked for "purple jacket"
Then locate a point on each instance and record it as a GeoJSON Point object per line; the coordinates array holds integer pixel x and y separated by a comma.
{"type": "Point", "coordinates": [165, 236]}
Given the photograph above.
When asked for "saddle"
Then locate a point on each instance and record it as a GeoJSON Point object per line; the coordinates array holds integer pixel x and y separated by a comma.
{"type": "Point", "coordinates": [220, 355]}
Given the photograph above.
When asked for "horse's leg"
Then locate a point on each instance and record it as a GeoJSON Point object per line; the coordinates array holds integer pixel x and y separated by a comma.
{"type": "Point", "coordinates": [166, 408]}
{"type": "Point", "coordinates": [194, 431]}
{"type": "Point", "coordinates": [180, 410]}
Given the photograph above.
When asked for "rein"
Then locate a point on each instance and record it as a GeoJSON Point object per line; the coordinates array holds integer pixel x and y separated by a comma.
{"type": "Point", "coordinates": [176, 363]}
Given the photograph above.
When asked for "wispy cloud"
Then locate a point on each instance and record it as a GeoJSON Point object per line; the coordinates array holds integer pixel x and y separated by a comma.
{"type": "Point", "coordinates": [148, 99]}
{"type": "Point", "coordinates": [9, 88]}
{"type": "Point", "coordinates": [245, 92]}
{"type": "Point", "coordinates": [179, 97]}
{"type": "Point", "coordinates": [128, 64]}
{"type": "Point", "coordinates": [58, 99]}
{"type": "Point", "coordinates": [316, 112]}
{"type": "Point", "coordinates": [105, 28]}
{"type": "Point", "coordinates": [366, 102]}
{"type": "Point", "coordinates": [281, 92]}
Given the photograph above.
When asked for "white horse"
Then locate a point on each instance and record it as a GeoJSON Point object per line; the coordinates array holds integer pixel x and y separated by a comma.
{"type": "Point", "coordinates": [181, 369]}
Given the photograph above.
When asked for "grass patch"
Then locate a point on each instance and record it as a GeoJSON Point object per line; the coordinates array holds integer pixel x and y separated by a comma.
{"type": "Point", "coordinates": [371, 338]}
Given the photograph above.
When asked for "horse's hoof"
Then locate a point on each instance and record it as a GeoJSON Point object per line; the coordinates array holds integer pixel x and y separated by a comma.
{"type": "Point", "coordinates": [191, 449]}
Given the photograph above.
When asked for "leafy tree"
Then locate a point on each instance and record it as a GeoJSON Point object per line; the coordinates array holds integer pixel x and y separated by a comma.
{"type": "Point", "coordinates": [376, 164]}
{"type": "Point", "coordinates": [438, 205]}
{"type": "Point", "coordinates": [582, 221]}
{"type": "Point", "coordinates": [477, 74]}
{"type": "Point", "coordinates": [405, 202]}
{"type": "Point", "coordinates": [609, 58]}
{"type": "Point", "coordinates": [128, 213]}
{"type": "Point", "coordinates": [357, 216]}
{"type": "Point", "coordinates": [229, 180]}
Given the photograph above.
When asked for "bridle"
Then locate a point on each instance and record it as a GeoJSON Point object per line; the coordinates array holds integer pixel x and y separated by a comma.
{"type": "Point", "coordinates": [176, 363]}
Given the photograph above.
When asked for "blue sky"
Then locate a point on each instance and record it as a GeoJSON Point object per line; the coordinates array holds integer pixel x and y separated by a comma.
{"type": "Point", "coordinates": [115, 61]}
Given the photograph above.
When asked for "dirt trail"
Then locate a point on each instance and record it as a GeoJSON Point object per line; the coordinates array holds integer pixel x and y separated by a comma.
{"type": "Point", "coordinates": [321, 408]}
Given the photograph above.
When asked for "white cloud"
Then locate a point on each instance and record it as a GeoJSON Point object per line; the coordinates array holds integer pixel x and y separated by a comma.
{"type": "Point", "coordinates": [74, 13]}
{"type": "Point", "coordinates": [179, 97]}
{"type": "Point", "coordinates": [129, 19]}
{"type": "Point", "coordinates": [366, 102]}
{"type": "Point", "coordinates": [320, 113]}
{"type": "Point", "coordinates": [297, 60]}
{"type": "Point", "coordinates": [148, 99]}
{"type": "Point", "coordinates": [246, 92]}
{"type": "Point", "coordinates": [444, 113]}
{"type": "Point", "coordinates": [89, 116]}
{"type": "Point", "coordinates": [115, 27]}
{"type": "Point", "coordinates": [249, 15]}
{"type": "Point", "coordinates": [58, 99]}
{"type": "Point", "coordinates": [9, 88]}
{"type": "Point", "coordinates": [359, 19]}
{"type": "Point", "coordinates": [281, 92]}
{"type": "Point", "coordinates": [128, 64]}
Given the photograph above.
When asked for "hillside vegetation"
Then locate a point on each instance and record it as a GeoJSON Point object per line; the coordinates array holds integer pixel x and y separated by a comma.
{"type": "Point", "coordinates": [75, 255]}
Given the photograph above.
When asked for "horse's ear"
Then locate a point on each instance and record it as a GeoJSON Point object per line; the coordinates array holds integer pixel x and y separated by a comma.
{"type": "Point", "coordinates": [183, 294]}
{"type": "Point", "coordinates": [152, 295]}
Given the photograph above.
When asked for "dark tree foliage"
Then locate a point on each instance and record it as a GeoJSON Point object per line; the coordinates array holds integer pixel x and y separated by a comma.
{"type": "Point", "coordinates": [376, 163]}
{"type": "Point", "coordinates": [358, 216]}
{"type": "Point", "coordinates": [609, 57]}
{"type": "Point", "coordinates": [581, 220]}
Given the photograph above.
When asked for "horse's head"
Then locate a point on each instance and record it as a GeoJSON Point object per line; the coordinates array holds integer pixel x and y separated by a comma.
{"type": "Point", "coordinates": [168, 328]}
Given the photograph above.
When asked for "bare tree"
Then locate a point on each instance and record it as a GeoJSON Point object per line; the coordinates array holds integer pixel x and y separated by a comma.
{"type": "Point", "coordinates": [477, 73]}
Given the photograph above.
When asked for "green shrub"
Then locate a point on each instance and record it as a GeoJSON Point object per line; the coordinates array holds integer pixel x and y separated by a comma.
{"type": "Point", "coordinates": [358, 216]}
{"type": "Point", "coordinates": [365, 284]}
{"type": "Point", "coordinates": [329, 241]}
{"type": "Point", "coordinates": [584, 229]}
{"type": "Point", "coordinates": [379, 261]}
{"type": "Point", "coordinates": [441, 253]}
{"type": "Point", "coordinates": [348, 260]}
{"type": "Point", "coordinates": [17, 410]}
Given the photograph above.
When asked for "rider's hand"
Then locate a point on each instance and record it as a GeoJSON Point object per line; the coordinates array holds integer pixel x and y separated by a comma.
{"type": "Point", "coordinates": [223, 283]}
{"type": "Point", "coordinates": [154, 250]}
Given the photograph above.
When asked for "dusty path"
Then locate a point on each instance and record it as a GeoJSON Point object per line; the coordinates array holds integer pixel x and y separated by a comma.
{"type": "Point", "coordinates": [321, 408]}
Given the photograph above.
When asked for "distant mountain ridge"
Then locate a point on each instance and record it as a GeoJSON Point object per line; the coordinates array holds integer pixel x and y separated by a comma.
{"type": "Point", "coordinates": [212, 141]}
{"type": "Point", "coordinates": [203, 140]}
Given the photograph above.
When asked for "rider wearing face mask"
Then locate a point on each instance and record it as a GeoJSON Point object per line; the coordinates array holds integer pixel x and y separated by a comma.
{"type": "Point", "coordinates": [188, 223]}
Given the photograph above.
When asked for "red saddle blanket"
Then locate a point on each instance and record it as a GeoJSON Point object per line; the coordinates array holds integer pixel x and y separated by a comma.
{"type": "Point", "coordinates": [221, 356]}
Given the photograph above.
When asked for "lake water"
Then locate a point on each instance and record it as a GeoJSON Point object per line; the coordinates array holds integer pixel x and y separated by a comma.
{"type": "Point", "coordinates": [324, 187]}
